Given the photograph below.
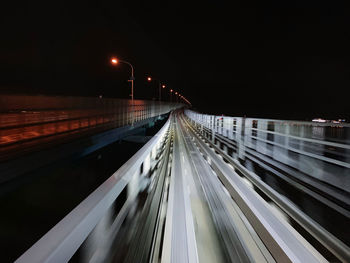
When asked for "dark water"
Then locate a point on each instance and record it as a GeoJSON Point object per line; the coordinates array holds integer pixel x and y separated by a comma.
{"type": "Point", "coordinates": [30, 209]}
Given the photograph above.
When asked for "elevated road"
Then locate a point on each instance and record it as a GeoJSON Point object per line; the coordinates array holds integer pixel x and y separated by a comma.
{"type": "Point", "coordinates": [36, 131]}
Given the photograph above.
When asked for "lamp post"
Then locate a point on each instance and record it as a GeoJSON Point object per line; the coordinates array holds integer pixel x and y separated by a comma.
{"type": "Point", "coordinates": [160, 86]}
{"type": "Point", "coordinates": [115, 61]}
{"type": "Point", "coordinates": [171, 95]}
{"type": "Point", "coordinates": [163, 86]}
{"type": "Point", "coordinates": [132, 78]}
{"type": "Point", "coordinates": [176, 96]}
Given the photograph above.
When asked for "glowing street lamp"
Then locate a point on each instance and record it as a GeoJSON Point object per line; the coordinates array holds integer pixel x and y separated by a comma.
{"type": "Point", "coordinates": [176, 96]}
{"type": "Point", "coordinates": [115, 61]}
{"type": "Point", "coordinates": [171, 95]}
{"type": "Point", "coordinates": [159, 87]}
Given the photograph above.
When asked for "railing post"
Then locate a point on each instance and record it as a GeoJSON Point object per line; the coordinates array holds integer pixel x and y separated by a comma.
{"type": "Point", "coordinates": [213, 129]}
{"type": "Point", "coordinates": [261, 146]}
{"type": "Point", "coordinates": [241, 123]}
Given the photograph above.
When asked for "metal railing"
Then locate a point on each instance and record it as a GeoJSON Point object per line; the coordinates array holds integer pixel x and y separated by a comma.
{"type": "Point", "coordinates": [279, 142]}
{"type": "Point", "coordinates": [280, 240]}
{"type": "Point", "coordinates": [63, 240]}
{"type": "Point", "coordinates": [321, 150]}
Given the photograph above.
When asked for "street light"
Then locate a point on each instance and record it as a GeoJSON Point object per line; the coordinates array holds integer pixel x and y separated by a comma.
{"type": "Point", "coordinates": [159, 87]}
{"type": "Point", "coordinates": [171, 95]}
{"type": "Point", "coordinates": [115, 61]}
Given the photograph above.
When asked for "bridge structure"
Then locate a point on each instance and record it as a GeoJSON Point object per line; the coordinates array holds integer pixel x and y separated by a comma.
{"type": "Point", "coordinates": [204, 188]}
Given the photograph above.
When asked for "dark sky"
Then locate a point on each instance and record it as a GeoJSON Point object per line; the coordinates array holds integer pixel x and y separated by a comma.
{"type": "Point", "coordinates": [282, 59]}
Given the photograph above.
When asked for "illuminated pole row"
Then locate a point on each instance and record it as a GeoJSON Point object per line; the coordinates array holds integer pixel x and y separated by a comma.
{"type": "Point", "coordinates": [115, 61]}
{"type": "Point", "coordinates": [178, 95]}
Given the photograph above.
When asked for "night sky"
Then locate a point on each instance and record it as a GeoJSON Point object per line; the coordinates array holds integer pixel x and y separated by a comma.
{"type": "Point", "coordinates": [280, 59]}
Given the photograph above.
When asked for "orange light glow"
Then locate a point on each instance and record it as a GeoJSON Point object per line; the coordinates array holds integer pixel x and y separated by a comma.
{"type": "Point", "coordinates": [114, 61]}
{"type": "Point", "coordinates": [163, 86]}
{"type": "Point", "coordinates": [171, 90]}
{"type": "Point", "coordinates": [175, 93]}
{"type": "Point", "coordinates": [149, 78]}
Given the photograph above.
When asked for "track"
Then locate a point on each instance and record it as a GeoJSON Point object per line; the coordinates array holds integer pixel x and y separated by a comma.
{"type": "Point", "coordinates": [208, 212]}
{"type": "Point", "coordinates": [187, 201]}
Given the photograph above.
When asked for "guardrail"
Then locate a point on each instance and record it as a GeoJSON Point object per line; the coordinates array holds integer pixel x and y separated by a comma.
{"type": "Point", "coordinates": [321, 150]}
{"type": "Point", "coordinates": [63, 240]}
{"type": "Point", "coordinates": [240, 138]}
{"type": "Point", "coordinates": [283, 244]}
